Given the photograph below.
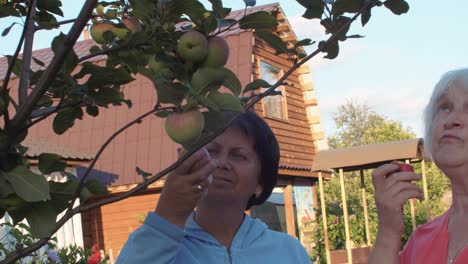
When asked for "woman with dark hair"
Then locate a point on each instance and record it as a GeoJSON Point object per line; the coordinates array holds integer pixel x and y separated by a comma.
{"type": "Point", "coordinates": [445, 238]}
{"type": "Point", "coordinates": [200, 216]}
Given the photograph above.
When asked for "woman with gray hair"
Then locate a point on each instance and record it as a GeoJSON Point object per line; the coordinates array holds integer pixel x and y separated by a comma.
{"type": "Point", "coordinates": [444, 239]}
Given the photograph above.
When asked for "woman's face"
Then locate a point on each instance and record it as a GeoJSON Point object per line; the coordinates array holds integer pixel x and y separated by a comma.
{"type": "Point", "coordinates": [237, 176]}
{"type": "Point", "coordinates": [450, 131]}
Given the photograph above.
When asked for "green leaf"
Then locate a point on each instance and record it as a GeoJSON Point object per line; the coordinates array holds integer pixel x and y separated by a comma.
{"type": "Point", "coordinates": [162, 113]}
{"type": "Point", "coordinates": [304, 42]}
{"type": "Point", "coordinates": [398, 7]}
{"type": "Point", "coordinates": [354, 36]}
{"type": "Point", "coordinates": [258, 20]}
{"type": "Point", "coordinates": [218, 10]}
{"type": "Point", "coordinates": [7, 30]}
{"type": "Point", "coordinates": [100, 76]}
{"type": "Point", "coordinates": [143, 173]}
{"type": "Point", "coordinates": [29, 186]}
{"type": "Point", "coordinates": [313, 12]}
{"type": "Point", "coordinates": [213, 120]}
{"type": "Point", "coordinates": [273, 40]}
{"type": "Point", "coordinates": [169, 92]}
{"type": "Point", "coordinates": [96, 187]}
{"type": "Point", "coordinates": [311, 3]}
{"type": "Point", "coordinates": [57, 42]}
{"type": "Point", "coordinates": [92, 110]}
{"type": "Point", "coordinates": [46, 20]}
{"type": "Point", "coordinates": [365, 16]}
{"type": "Point", "coordinates": [231, 81]}
{"type": "Point", "coordinates": [207, 102]}
{"type": "Point", "coordinates": [19, 214]}
{"type": "Point", "coordinates": [38, 62]}
{"type": "Point", "coordinates": [332, 50]}
{"type": "Point", "coordinates": [65, 119]}
{"type": "Point", "coordinates": [207, 79]}
{"type": "Point", "coordinates": [17, 67]}
{"type": "Point", "coordinates": [8, 10]}
{"type": "Point", "coordinates": [42, 221]}
{"type": "Point", "coordinates": [106, 96]}
{"type": "Point", "coordinates": [49, 163]}
{"type": "Point", "coordinates": [347, 6]}
{"type": "Point", "coordinates": [226, 101]}
{"type": "Point", "coordinates": [259, 83]}
{"type": "Point", "coordinates": [175, 8]}
{"type": "Point", "coordinates": [5, 187]}
{"type": "Point", "coordinates": [52, 6]}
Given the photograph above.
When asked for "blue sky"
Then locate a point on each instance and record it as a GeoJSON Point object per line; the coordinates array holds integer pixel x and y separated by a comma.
{"type": "Point", "coordinates": [392, 69]}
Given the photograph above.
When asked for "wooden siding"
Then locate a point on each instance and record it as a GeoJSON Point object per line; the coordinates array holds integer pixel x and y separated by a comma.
{"type": "Point", "coordinates": [294, 133]}
{"type": "Point", "coordinates": [110, 225]}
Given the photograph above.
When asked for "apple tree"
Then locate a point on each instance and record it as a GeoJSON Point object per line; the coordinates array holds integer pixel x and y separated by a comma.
{"type": "Point", "coordinates": [174, 43]}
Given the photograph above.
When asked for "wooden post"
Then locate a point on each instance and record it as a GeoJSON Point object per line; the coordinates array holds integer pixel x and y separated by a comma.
{"type": "Point", "coordinates": [413, 210]}
{"type": "Point", "coordinates": [289, 210]}
{"type": "Point", "coordinates": [345, 216]}
{"type": "Point", "coordinates": [426, 195]}
{"type": "Point", "coordinates": [111, 256]}
{"type": "Point", "coordinates": [364, 203]}
{"type": "Point", "coordinates": [324, 217]}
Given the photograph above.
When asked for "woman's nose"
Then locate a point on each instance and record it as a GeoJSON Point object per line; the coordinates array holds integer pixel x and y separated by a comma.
{"type": "Point", "coordinates": [223, 162]}
{"type": "Point", "coordinates": [454, 120]}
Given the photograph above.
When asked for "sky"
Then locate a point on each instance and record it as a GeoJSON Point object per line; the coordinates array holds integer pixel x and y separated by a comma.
{"type": "Point", "coordinates": [392, 69]}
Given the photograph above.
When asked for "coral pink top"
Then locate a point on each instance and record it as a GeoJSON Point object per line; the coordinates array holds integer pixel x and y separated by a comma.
{"type": "Point", "coordinates": [428, 244]}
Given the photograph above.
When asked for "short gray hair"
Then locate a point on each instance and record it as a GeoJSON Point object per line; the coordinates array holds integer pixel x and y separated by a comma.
{"type": "Point", "coordinates": [445, 82]}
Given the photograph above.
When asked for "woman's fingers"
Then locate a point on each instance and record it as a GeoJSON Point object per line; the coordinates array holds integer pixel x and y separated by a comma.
{"type": "Point", "coordinates": [403, 186]}
{"type": "Point", "coordinates": [186, 166]}
{"type": "Point", "coordinates": [380, 174]}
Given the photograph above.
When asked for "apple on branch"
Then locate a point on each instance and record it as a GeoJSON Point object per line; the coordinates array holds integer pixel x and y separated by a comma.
{"type": "Point", "coordinates": [218, 52]}
{"type": "Point", "coordinates": [132, 24]}
{"type": "Point", "coordinates": [185, 127]}
{"type": "Point", "coordinates": [193, 46]}
{"type": "Point", "coordinates": [97, 31]}
{"type": "Point", "coordinates": [161, 68]}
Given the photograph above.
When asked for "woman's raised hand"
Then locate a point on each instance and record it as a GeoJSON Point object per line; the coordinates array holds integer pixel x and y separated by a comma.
{"type": "Point", "coordinates": [185, 186]}
{"type": "Point", "coordinates": [393, 187]}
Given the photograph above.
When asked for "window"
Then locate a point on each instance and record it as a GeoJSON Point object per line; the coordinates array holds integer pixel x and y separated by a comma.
{"type": "Point", "coordinates": [274, 105]}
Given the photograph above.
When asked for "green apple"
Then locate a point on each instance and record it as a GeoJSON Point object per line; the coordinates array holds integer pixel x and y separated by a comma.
{"type": "Point", "coordinates": [100, 9]}
{"type": "Point", "coordinates": [193, 46]}
{"type": "Point", "coordinates": [218, 52]}
{"type": "Point", "coordinates": [97, 31]}
{"type": "Point", "coordinates": [132, 24]}
{"type": "Point", "coordinates": [185, 127]}
{"type": "Point", "coordinates": [161, 68]}
{"type": "Point", "coordinates": [207, 78]}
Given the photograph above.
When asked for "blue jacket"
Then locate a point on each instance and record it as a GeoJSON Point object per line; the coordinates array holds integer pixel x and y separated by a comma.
{"type": "Point", "coordinates": [159, 241]}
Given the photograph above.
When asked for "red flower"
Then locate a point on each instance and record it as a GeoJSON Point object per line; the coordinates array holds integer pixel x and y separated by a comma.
{"type": "Point", "coordinates": [95, 249]}
{"type": "Point", "coordinates": [95, 258]}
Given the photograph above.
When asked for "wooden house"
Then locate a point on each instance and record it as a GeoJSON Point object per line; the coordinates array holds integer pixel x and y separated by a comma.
{"type": "Point", "coordinates": [294, 118]}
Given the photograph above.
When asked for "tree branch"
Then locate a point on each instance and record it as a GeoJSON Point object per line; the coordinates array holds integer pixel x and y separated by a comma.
{"type": "Point", "coordinates": [17, 51]}
{"type": "Point", "coordinates": [140, 187]}
{"type": "Point", "coordinates": [49, 74]}
{"type": "Point", "coordinates": [27, 54]}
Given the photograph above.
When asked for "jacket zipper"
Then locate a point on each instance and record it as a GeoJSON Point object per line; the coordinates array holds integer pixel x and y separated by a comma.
{"type": "Point", "coordinates": [229, 254]}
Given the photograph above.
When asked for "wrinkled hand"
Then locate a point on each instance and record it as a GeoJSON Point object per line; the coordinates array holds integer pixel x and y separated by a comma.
{"type": "Point", "coordinates": [184, 187]}
{"type": "Point", "coordinates": [392, 189]}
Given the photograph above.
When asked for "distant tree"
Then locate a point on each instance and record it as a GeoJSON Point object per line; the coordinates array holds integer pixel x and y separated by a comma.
{"type": "Point", "coordinates": [357, 125]}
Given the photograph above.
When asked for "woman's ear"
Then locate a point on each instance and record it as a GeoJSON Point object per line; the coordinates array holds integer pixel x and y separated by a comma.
{"type": "Point", "coordinates": [258, 190]}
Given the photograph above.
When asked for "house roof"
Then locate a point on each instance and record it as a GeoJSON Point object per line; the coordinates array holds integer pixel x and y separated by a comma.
{"type": "Point", "coordinates": [81, 48]}
{"type": "Point", "coordinates": [37, 147]}
{"type": "Point", "coordinates": [368, 156]}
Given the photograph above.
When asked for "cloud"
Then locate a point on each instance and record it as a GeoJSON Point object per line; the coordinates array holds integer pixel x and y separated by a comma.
{"type": "Point", "coordinates": [402, 104]}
